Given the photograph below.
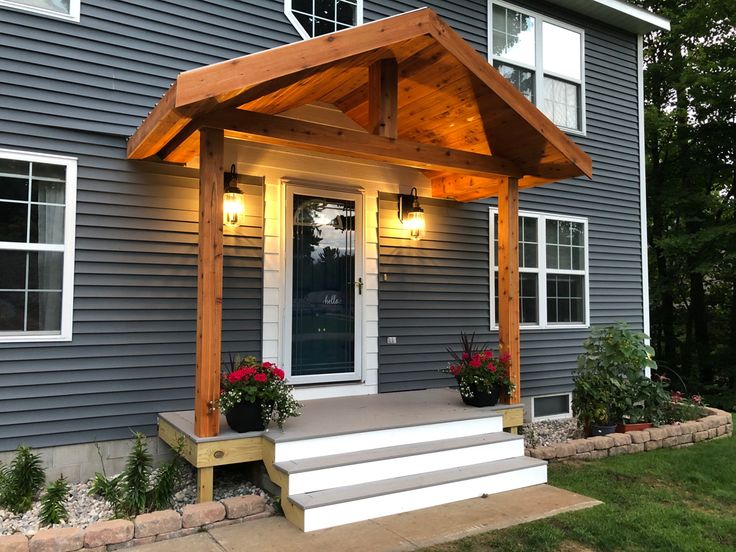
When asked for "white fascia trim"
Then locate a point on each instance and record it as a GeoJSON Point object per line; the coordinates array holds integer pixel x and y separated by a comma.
{"type": "Point", "coordinates": [70, 217]}
{"type": "Point", "coordinates": [73, 15]}
{"type": "Point", "coordinates": [636, 12]}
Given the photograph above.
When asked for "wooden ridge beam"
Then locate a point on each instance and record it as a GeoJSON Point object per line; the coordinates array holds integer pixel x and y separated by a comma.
{"type": "Point", "coordinates": [282, 131]}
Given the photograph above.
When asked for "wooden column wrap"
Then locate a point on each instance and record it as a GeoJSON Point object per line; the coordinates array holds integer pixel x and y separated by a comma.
{"type": "Point", "coordinates": [508, 279]}
{"type": "Point", "coordinates": [383, 98]}
{"type": "Point", "coordinates": [209, 283]}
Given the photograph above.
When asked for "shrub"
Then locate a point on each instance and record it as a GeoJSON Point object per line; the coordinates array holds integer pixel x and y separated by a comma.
{"type": "Point", "coordinates": [52, 503]}
{"type": "Point", "coordinates": [21, 481]}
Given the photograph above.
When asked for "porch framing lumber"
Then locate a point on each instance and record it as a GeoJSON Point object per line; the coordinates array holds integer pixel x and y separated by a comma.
{"type": "Point", "coordinates": [282, 131]}
{"type": "Point", "coordinates": [509, 338]}
{"type": "Point", "coordinates": [383, 98]}
{"type": "Point", "coordinates": [209, 283]}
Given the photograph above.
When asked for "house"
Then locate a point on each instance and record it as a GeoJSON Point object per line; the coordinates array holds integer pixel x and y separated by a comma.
{"type": "Point", "coordinates": [111, 181]}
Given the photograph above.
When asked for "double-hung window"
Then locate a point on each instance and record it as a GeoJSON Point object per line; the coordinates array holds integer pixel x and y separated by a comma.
{"type": "Point", "coordinates": [62, 9]}
{"type": "Point", "coordinates": [318, 17]}
{"type": "Point", "coordinates": [37, 217]}
{"type": "Point", "coordinates": [543, 58]}
{"type": "Point", "coordinates": [553, 270]}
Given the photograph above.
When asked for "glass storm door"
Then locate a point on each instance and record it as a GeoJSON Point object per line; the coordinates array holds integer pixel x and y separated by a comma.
{"type": "Point", "coordinates": [324, 286]}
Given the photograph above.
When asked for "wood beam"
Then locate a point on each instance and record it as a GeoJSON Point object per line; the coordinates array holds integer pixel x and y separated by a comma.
{"type": "Point", "coordinates": [464, 188]}
{"type": "Point", "coordinates": [209, 283]}
{"type": "Point", "coordinates": [383, 96]}
{"type": "Point", "coordinates": [508, 279]}
{"type": "Point", "coordinates": [281, 131]}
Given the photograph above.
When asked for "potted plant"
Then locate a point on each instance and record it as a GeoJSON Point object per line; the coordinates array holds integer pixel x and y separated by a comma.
{"type": "Point", "coordinates": [254, 393]}
{"type": "Point", "coordinates": [482, 377]}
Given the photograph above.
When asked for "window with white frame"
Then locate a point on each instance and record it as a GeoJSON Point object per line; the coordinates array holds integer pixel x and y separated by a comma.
{"type": "Point", "coordinates": [543, 58]}
{"type": "Point", "coordinates": [318, 17]}
{"type": "Point", "coordinates": [62, 9]}
{"type": "Point", "coordinates": [553, 270]}
{"type": "Point", "coordinates": [37, 215]}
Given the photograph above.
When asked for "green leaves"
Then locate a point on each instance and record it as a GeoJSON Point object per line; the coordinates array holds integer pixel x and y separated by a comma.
{"type": "Point", "coordinates": [53, 510]}
{"type": "Point", "coordinates": [21, 481]}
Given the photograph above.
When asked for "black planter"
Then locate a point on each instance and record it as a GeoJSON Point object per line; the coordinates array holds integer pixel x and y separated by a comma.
{"type": "Point", "coordinates": [245, 416]}
{"type": "Point", "coordinates": [483, 398]}
{"type": "Point", "coordinates": [601, 429]}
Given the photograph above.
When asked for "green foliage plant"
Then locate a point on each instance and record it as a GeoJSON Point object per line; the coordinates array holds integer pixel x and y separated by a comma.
{"type": "Point", "coordinates": [53, 510]}
{"type": "Point", "coordinates": [258, 382]}
{"type": "Point", "coordinates": [140, 488]}
{"type": "Point", "coordinates": [21, 481]}
{"type": "Point", "coordinates": [609, 375]}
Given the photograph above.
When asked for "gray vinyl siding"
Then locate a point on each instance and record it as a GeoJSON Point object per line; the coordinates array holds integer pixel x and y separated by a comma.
{"type": "Point", "coordinates": [133, 348]}
{"type": "Point", "coordinates": [440, 286]}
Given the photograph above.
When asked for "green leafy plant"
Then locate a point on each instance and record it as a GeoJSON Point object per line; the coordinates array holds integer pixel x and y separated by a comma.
{"type": "Point", "coordinates": [476, 368]}
{"type": "Point", "coordinates": [21, 481]}
{"type": "Point", "coordinates": [53, 509]}
{"type": "Point", "coordinates": [258, 382]}
{"type": "Point", "coordinates": [139, 488]}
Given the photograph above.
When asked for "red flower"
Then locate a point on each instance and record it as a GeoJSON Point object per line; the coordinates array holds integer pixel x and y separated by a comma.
{"type": "Point", "coordinates": [455, 370]}
{"type": "Point", "coordinates": [492, 368]}
{"type": "Point", "coordinates": [466, 356]}
{"type": "Point", "coordinates": [278, 372]}
{"type": "Point", "coordinates": [267, 365]}
{"type": "Point", "coordinates": [475, 363]}
{"type": "Point", "coordinates": [506, 357]}
{"type": "Point", "coordinates": [488, 354]}
{"type": "Point", "coordinates": [261, 378]}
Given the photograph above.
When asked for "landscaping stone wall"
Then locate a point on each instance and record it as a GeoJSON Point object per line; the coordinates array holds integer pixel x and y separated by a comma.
{"type": "Point", "coordinates": [716, 425]}
{"type": "Point", "coordinates": [116, 534]}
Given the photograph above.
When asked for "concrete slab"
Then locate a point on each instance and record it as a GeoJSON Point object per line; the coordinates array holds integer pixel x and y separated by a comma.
{"type": "Point", "coordinates": [201, 542]}
{"type": "Point", "coordinates": [408, 531]}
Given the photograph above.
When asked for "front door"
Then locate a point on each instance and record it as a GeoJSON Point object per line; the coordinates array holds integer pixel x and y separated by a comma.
{"type": "Point", "coordinates": [323, 285]}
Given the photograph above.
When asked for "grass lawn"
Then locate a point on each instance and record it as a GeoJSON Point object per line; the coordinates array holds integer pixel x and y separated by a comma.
{"type": "Point", "coordinates": [671, 499]}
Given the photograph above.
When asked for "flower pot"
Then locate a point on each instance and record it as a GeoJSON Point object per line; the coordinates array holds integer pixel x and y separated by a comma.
{"type": "Point", "coordinates": [623, 428]}
{"type": "Point", "coordinates": [483, 397]}
{"type": "Point", "coordinates": [596, 430]}
{"type": "Point", "coordinates": [245, 416]}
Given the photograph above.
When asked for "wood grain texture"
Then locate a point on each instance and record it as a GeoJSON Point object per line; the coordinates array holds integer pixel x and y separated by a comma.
{"type": "Point", "coordinates": [383, 91]}
{"type": "Point", "coordinates": [508, 280]}
{"type": "Point", "coordinates": [209, 283]}
{"type": "Point", "coordinates": [205, 484]}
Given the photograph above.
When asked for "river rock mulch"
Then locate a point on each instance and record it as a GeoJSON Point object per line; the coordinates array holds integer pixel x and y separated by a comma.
{"type": "Point", "coordinates": [85, 509]}
{"type": "Point", "coordinates": [549, 432]}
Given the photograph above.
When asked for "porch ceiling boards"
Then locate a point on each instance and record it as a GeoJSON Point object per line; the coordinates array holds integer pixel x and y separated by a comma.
{"type": "Point", "coordinates": [449, 112]}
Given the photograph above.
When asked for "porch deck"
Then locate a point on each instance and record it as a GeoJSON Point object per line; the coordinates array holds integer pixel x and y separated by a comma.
{"type": "Point", "coordinates": [323, 418]}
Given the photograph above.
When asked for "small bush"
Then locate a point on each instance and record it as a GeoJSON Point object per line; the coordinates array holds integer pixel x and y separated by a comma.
{"type": "Point", "coordinates": [21, 481]}
{"type": "Point", "coordinates": [52, 503]}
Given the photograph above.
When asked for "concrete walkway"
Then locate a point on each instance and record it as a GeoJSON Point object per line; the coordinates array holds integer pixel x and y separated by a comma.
{"type": "Point", "coordinates": [402, 532]}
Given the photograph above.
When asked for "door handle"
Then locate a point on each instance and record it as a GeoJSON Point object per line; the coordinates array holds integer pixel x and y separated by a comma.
{"type": "Point", "coordinates": [359, 285]}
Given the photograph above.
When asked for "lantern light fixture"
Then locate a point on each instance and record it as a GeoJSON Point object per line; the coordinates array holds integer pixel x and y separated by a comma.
{"type": "Point", "coordinates": [411, 215]}
{"type": "Point", "coordinates": [233, 208]}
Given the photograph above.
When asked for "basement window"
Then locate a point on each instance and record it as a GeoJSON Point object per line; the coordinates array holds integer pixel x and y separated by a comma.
{"type": "Point", "coordinates": [318, 17]}
{"type": "Point", "coordinates": [37, 217]}
{"type": "Point", "coordinates": [543, 59]}
{"type": "Point", "coordinates": [61, 9]}
{"type": "Point", "coordinates": [550, 407]}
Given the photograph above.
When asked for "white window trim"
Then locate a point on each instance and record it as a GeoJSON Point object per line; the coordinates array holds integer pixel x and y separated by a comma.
{"type": "Point", "coordinates": [301, 30]}
{"type": "Point", "coordinates": [541, 270]}
{"type": "Point", "coordinates": [73, 15]}
{"type": "Point", "coordinates": [70, 211]}
{"type": "Point", "coordinates": [564, 416]}
{"type": "Point", "coordinates": [538, 53]}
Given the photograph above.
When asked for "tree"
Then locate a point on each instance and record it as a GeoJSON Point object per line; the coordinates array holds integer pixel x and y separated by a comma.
{"type": "Point", "coordinates": [690, 98]}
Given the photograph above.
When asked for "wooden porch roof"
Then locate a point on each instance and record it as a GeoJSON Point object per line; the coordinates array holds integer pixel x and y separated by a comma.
{"type": "Point", "coordinates": [453, 115]}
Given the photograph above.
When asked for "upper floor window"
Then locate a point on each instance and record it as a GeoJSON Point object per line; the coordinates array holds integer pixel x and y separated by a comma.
{"type": "Point", "coordinates": [37, 215]}
{"type": "Point", "coordinates": [543, 58]}
{"type": "Point", "coordinates": [553, 270]}
{"type": "Point", "coordinates": [317, 17]}
{"type": "Point", "coordinates": [63, 9]}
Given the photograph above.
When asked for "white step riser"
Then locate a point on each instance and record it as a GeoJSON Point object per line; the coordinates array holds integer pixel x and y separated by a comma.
{"type": "Point", "coordinates": [354, 442]}
{"type": "Point", "coordinates": [395, 503]}
{"type": "Point", "coordinates": [365, 472]}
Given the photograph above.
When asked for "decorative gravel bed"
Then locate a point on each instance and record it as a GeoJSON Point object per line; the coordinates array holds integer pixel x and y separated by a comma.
{"type": "Point", "coordinates": [85, 509]}
{"type": "Point", "coordinates": [549, 432]}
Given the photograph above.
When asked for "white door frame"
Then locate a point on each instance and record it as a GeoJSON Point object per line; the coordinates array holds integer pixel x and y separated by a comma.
{"type": "Point", "coordinates": [327, 192]}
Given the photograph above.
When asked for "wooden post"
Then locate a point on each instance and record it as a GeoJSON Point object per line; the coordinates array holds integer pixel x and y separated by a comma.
{"type": "Point", "coordinates": [508, 279]}
{"type": "Point", "coordinates": [383, 94]}
{"type": "Point", "coordinates": [209, 283]}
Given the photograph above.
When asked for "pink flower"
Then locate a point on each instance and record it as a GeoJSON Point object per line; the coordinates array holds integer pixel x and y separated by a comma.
{"type": "Point", "coordinates": [697, 399]}
{"type": "Point", "coordinates": [261, 378]}
{"type": "Point", "coordinates": [475, 363]}
{"type": "Point", "coordinates": [677, 396]}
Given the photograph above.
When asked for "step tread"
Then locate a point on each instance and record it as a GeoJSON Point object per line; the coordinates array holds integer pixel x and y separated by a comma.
{"type": "Point", "coordinates": [387, 453]}
{"type": "Point", "coordinates": [350, 493]}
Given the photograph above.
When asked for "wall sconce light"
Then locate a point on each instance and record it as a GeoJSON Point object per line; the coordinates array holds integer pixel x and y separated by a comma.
{"type": "Point", "coordinates": [411, 214]}
{"type": "Point", "coordinates": [233, 208]}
